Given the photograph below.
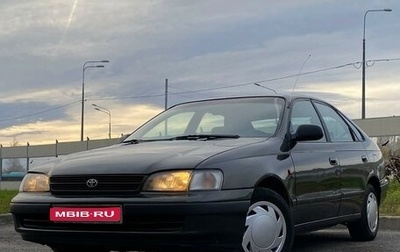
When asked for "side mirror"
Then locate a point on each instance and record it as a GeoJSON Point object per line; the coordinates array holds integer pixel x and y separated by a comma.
{"type": "Point", "coordinates": [308, 132]}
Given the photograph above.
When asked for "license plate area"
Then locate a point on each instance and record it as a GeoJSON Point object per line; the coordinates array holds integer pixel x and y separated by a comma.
{"type": "Point", "coordinates": [86, 214]}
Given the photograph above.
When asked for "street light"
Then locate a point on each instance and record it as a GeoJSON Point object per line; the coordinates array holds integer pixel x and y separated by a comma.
{"type": "Point", "coordinates": [363, 62]}
{"type": "Point", "coordinates": [108, 112]}
{"type": "Point", "coordinates": [83, 86]}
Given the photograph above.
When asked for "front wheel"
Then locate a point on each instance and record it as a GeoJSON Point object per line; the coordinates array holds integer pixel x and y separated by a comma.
{"type": "Point", "coordinates": [366, 228]}
{"type": "Point", "coordinates": [269, 225]}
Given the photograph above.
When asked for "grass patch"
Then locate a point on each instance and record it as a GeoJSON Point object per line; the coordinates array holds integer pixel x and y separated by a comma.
{"type": "Point", "coordinates": [5, 199]}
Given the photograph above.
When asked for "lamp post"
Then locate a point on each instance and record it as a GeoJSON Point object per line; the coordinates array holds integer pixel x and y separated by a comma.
{"type": "Point", "coordinates": [108, 112]}
{"type": "Point", "coordinates": [87, 65]}
{"type": "Point", "coordinates": [363, 62]}
{"type": "Point", "coordinates": [166, 94]}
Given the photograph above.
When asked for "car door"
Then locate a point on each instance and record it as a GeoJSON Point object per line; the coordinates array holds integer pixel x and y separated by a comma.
{"type": "Point", "coordinates": [317, 181]}
{"type": "Point", "coordinates": [348, 143]}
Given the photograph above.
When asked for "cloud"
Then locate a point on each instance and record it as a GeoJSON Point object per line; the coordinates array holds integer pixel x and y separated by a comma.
{"type": "Point", "coordinates": [20, 113]}
{"type": "Point", "coordinates": [125, 119]}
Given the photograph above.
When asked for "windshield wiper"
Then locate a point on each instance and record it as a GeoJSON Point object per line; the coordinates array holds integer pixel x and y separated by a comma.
{"type": "Point", "coordinates": [206, 137]}
{"type": "Point", "coordinates": [132, 141]}
{"type": "Point", "coordinates": [203, 137]}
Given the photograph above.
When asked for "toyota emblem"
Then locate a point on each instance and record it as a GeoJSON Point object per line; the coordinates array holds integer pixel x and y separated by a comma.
{"type": "Point", "coordinates": [92, 182]}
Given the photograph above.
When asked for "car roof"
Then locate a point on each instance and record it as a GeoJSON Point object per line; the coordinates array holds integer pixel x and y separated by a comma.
{"type": "Point", "coordinates": [287, 96]}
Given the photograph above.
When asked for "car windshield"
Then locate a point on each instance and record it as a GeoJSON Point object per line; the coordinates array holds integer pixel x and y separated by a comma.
{"type": "Point", "coordinates": [212, 119]}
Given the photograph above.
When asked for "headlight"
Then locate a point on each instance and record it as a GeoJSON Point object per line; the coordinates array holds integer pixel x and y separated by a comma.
{"type": "Point", "coordinates": [174, 181]}
{"type": "Point", "coordinates": [182, 181]}
{"type": "Point", "coordinates": [35, 182]}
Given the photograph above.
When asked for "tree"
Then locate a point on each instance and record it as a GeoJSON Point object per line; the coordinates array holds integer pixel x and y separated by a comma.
{"type": "Point", "coordinates": [14, 164]}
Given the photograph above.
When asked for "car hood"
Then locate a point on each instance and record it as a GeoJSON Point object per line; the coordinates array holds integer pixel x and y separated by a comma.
{"type": "Point", "coordinates": [144, 157]}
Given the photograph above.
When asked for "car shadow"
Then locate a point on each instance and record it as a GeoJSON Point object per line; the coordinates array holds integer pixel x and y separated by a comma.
{"type": "Point", "coordinates": [325, 240]}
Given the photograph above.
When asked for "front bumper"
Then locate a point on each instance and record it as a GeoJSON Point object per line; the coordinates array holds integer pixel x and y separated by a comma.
{"type": "Point", "coordinates": [150, 221]}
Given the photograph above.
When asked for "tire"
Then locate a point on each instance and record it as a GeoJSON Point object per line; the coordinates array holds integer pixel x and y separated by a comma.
{"type": "Point", "coordinates": [367, 227]}
{"type": "Point", "coordinates": [269, 225]}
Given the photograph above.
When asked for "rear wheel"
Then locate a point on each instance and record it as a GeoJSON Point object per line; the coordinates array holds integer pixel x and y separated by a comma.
{"type": "Point", "coordinates": [366, 228]}
{"type": "Point", "coordinates": [269, 225]}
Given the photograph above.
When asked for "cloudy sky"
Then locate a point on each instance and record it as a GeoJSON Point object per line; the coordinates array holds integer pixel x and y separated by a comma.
{"type": "Point", "coordinates": [207, 48]}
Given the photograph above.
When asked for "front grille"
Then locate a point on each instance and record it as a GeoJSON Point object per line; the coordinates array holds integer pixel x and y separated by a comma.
{"type": "Point", "coordinates": [105, 185]}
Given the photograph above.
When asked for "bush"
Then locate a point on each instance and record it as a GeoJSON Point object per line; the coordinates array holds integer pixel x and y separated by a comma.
{"type": "Point", "coordinates": [393, 167]}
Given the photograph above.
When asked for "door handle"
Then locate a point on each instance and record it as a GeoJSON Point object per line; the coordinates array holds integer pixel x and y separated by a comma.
{"type": "Point", "coordinates": [364, 158]}
{"type": "Point", "coordinates": [333, 161]}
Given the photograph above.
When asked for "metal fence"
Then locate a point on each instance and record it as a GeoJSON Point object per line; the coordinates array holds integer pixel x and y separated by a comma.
{"type": "Point", "coordinates": [23, 156]}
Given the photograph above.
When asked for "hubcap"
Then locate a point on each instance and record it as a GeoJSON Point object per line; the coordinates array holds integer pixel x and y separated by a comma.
{"type": "Point", "coordinates": [265, 228]}
{"type": "Point", "coordinates": [372, 212]}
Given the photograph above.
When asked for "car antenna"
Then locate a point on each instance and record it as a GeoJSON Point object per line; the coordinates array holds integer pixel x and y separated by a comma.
{"type": "Point", "coordinates": [270, 89]}
{"type": "Point", "coordinates": [301, 69]}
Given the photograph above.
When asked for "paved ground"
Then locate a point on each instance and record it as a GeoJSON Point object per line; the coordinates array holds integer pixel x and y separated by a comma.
{"type": "Point", "coordinates": [338, 240]}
